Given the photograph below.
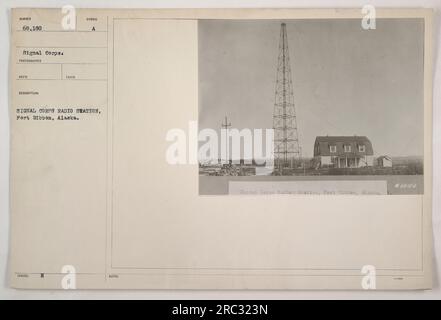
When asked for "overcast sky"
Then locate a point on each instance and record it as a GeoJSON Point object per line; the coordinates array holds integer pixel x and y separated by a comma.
{"type": "Point", "coordinates": [347, 81]}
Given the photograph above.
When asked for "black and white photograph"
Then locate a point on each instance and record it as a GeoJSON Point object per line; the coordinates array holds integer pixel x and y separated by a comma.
{"type": "Point", "coordinates": [236, 152]}
{"type": "Point", "coordinates": [311, 106]}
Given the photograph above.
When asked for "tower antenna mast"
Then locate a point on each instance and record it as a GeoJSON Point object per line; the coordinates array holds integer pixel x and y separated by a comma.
{"type": "Point", "coordinates": [286, 139]}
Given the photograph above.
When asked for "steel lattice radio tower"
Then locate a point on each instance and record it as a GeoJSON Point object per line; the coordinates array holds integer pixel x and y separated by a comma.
{"type": "Point", "coordinates": [286, 140]}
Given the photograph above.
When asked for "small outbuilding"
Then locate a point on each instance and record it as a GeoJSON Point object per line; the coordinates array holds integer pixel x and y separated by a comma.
{"type": "Point", "coordinates": [384, 161]}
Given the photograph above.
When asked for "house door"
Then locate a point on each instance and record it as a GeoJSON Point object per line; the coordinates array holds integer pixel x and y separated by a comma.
{"type": "Point", "coordinates": [342, 163]}
{"type": "Point", "coordinates": [351, 162]}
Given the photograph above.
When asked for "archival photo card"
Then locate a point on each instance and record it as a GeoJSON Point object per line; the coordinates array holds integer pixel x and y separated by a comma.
{"type": "Point", "coordinates": [129, 130]}
{"type": "Point", "coordinates": [316, 106]}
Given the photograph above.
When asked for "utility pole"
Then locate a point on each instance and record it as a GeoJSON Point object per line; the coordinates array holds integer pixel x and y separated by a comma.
{"type": "Point", "coordinates": [286, 140]}
{"type": "Point", "coordinates": [225, 126]}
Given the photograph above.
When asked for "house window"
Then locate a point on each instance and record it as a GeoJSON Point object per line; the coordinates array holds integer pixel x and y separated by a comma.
{"type": "Point", "coordinates": [362, 148]}
{"type": "Point", "coordinates": [333, 149]}
{"type": "Point", "coordinates": [347, 148]}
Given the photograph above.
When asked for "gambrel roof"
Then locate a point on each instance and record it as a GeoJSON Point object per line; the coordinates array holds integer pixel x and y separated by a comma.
{"type": "Point", "coordinates": [322, 145]}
